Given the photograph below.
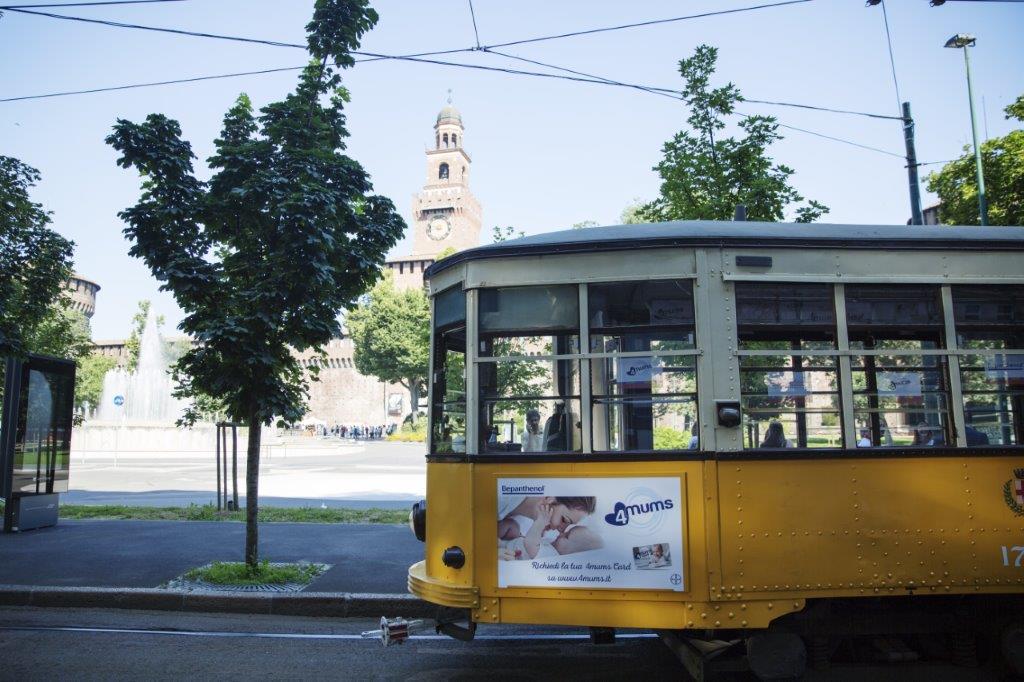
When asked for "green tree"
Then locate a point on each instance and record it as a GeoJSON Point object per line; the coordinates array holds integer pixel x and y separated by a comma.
{"type": "Point", "coordinates": [64, 332]}
{"type": "Point", "coordinates": [35, 261]}
{"type": "Point", "coordinates": [503, 234]}
{"type": "Point", "coordinates": [61, 332]}
{"type": "Point", "coordinates": [705, 175]}
{"type": "Point", "coordinates": [132, 343]}
{"type": "Point", "coordinates": [264, 256]}
{"type": "Point", "coordinates": [631, 213]}
{"type": "Point", "coordinates": [1002, 161]}
{"type": "Point", "coordinates": [584, 224]}
{"type": "Point", "coordinates": [391, 335]}
{"type": "Point", "coordinates": [89, 379]}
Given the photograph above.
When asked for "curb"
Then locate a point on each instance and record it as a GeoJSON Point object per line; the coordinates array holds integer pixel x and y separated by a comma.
{"type": "Point", "coordinates": [317, 604]}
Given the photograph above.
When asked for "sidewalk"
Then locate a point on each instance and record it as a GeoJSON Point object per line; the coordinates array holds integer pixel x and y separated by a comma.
{"type": "Point", "coordinates": [122, 563]}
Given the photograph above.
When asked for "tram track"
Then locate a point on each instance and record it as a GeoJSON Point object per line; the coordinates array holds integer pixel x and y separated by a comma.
{"type": "Point", "coordinates": [305, 636]}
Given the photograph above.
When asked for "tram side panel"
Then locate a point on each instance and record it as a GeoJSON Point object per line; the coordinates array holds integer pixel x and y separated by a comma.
{"type": "Point", "coordinates": [464, 499]}
{"type": "Point", "coordinates": [869, 527]}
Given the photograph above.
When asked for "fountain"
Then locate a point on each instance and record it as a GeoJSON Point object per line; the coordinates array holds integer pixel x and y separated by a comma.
{"type": "Point", "coordinates": [137, 412]}
{"type": "Point", "coordinates": [142, 396]}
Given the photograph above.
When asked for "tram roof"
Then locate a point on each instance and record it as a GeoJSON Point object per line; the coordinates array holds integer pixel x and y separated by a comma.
{"type": "Point", "coordinates": [747, 234]}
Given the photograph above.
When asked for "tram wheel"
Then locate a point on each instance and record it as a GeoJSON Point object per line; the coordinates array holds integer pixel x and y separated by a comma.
{"type": "Point", "coordinates": [1011, 642]}
{"type": "Point", "coordinates": [776, 655]}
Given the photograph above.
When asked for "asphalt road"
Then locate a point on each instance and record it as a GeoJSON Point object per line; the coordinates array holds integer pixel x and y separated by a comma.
{"type": "Point", "coordinates": [196, 647]}
{"type": "Point", "coordinates": [331, 473]}
{"type": "Point", "coordinates": [47, 644]}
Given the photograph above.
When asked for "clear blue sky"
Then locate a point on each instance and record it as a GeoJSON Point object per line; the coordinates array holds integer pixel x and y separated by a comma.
{"type": "Point", "coordinates": [546, 153]}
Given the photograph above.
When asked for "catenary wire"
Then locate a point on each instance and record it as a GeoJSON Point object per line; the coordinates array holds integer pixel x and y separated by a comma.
{"type": "Point", "coordinates": [476, 33]}
{"type": "Point", "coordinates": [175, 31]}
{"type": "Point", "coordinates": [153, 84]}
{"type": "Point", "coordinates": [674, 94]}
{"type": "Point", "coordinates": [892, 59]}
{"type": "Point", "coordinates": [831, 137]}
{"type": "Point", "coordinates": [639, 24]}
{"type": "Point", "coordinates": [518, 72]}
{"type": "Point", "coordinates": [88, 4]}
{"type": "Point", "coordinates": [421, 59]}
{"type": "Point", "coordinates": [275, 43]}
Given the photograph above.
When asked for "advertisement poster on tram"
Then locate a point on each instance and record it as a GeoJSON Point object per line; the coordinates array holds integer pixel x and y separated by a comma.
{"type": "Point", "coordinates": [591, 533]}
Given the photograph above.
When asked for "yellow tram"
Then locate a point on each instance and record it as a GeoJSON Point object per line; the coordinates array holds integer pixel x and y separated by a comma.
{"type": "Point", "coordinates": [715, 428]}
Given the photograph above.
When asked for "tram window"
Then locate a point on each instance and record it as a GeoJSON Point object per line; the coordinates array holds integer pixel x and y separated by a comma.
{"type": "Point", "coordinates": [448, 428]}
{"type": "Point", "coordinates": [530, 406]}
{"type": "Point", "coordinates": [643, 402]}
{"type": "Point", "coordinates": [990, 320]}
{"type": "Point", "coordinates": [529, 402]}
{"type": "Point", "coordinates": [528, 310]}
{"type": "Point", "coordinates": [900, 381]}
{"type": "Point", "coordinates": [788, 365]}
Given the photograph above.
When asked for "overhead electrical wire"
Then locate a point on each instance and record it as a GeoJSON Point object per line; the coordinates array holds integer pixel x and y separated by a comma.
{"type": "Point", "coordinates": [576, 76]}
{"type": "Point", "coordinates": [155, 83]}
{"type": "Point", "coordinates": [673, 94]}
{"type": "Point", "coordinates": [476, 33]}
{"type": "Point", "coordinates": [175, 31]}
{"type": "Point", "coordinates": [275, 43]}
{"type": "Point", "coordinates": [87, 4]}
{"type": "Point", "coordinates": [892, 59]}
{"type": "Point", "coordinates": [620, 27]}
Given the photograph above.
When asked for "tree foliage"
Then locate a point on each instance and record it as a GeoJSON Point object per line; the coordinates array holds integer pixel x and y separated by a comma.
{"type": "Point", "coordinates": [263, 256]}
{"type": "Point", "coordinates": [391, 335]}
{"type": "Point", "coordinates": [89, 379]}
{"type": "Point", "coordinates": [132, 343]}
{"type": "Point", "coordinates": [706, 174]}
{"type": "Point", "coordinates": [1002, 161]}
{"type": "Point", "coordinates": [35, 261]}
{"type": "Point", "coordinates": [503, 234]}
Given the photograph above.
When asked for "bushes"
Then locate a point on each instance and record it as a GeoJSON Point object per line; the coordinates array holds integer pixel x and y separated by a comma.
{"type": "Point", "coordinates": [410, 433]}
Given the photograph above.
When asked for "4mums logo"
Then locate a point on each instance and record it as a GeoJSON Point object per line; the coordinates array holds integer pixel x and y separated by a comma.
{"type": "Point", "coordinates": [623, 512]}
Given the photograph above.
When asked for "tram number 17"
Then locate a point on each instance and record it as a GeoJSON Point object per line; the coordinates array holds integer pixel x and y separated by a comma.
{"type": "Point", "coordinates": [1018, 555]}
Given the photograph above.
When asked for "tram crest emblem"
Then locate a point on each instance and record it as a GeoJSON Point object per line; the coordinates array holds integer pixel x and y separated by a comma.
{"type": "Point", "coordinates": [1013, 492]}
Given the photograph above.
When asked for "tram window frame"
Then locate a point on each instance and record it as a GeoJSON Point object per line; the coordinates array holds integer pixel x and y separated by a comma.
{"type": "Point", "coordinates": [629, 333]}
{"type": "Point", "coordinates": [447, 406]}
{"type": "Point", "coordinates": [512, 323]}
{"type": "Point", "coordinates": [897, 333]}
{"type": "Point", "coordinates": [985, 336]}
{"type": "Point", "coordinates": [795, 338]}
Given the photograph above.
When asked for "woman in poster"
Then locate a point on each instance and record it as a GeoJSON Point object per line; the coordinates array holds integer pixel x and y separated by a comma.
{"type": "Point", "coordinates": [529, 527]}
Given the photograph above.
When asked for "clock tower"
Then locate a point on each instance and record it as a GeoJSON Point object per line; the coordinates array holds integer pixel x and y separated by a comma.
{"type": "Point", "coordinates": [445, 212]}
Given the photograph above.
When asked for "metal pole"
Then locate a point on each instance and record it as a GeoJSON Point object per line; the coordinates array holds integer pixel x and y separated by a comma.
{"type": "Point", "coordinates": [217, 427]}
{"type": "Point", "coordinates": [915, 188]}
{"type": "Point", "coordinates": [234, 463]}
{"type": "Point", "coordinates": [224, 430]}
{"type": "Point", "coordinates": [982, 202]}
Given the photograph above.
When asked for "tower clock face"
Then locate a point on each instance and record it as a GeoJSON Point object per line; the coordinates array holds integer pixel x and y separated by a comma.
{"type": "Point", "coordinates": [438, 229]}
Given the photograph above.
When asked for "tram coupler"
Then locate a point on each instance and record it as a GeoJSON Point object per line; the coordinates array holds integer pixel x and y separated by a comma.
{"type": "Point", "coordinates": [395, 630]}
{"type": "Point", "coordinates": [447, 624]}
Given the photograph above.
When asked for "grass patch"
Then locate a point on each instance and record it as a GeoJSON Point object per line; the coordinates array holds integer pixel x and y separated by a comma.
{"type": "Point", "coordinates": [208, 512]}
{"type": "Point", "coordinates": [265, 573]}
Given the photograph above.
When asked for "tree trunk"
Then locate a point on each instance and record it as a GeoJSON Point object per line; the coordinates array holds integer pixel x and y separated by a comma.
{"type": "Point", "coordinates": [252, 482]}
{"type": "Point", "coordinates": [414, 397]}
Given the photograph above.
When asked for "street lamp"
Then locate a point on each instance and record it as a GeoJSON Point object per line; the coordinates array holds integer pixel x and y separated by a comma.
{"type": "Point", "coordinates": [963, 40]}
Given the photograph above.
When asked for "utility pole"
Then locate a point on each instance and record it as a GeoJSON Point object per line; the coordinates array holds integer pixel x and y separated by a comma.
{"type": "Point", "coordinates": [963, 41]}
{"type": "Point", "coordinates": [915, 189]}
